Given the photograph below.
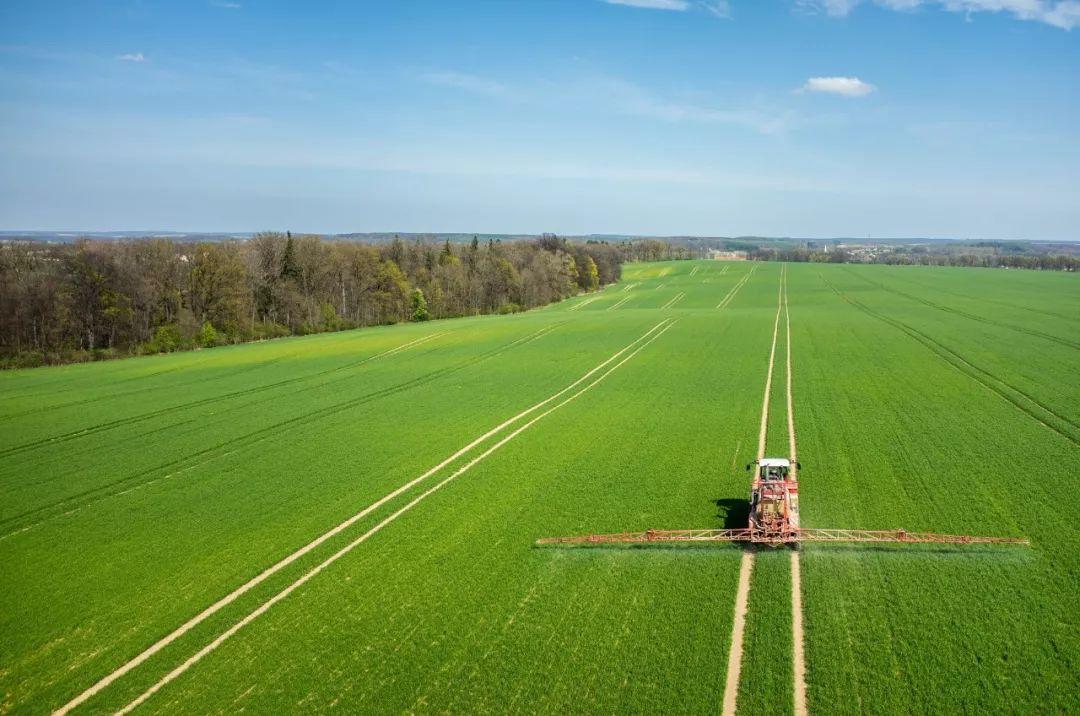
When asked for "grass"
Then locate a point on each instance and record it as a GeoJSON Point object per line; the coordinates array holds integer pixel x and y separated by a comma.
{"type": "Point", "coordinates": [135, 493]}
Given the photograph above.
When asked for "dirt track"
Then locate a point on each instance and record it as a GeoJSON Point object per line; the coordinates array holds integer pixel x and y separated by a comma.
{"type": "Point", "coordinates": [742, 595]}
{"type": "Point", "coordinates": [798, 654]}
{"type": "Point", "coordinates": [678, 297]}
{"type": "Point", "coordinates": [187, 626]}
{"type": "Point", "coordinates": [586, 302]}
{"type": "Point", "coordinates": [735, 289]}
{"type": "Point", "coordinates": [265, 606]}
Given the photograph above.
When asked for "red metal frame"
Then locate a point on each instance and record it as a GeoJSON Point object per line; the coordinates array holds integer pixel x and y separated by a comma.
{"type": "Point", "coordinates": [792, 536]}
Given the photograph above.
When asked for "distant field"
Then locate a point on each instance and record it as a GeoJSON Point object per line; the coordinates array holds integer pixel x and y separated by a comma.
{"type": "Point", "coordinates": [136, 494]}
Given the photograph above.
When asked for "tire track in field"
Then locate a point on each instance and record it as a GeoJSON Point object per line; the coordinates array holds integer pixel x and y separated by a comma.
{"type": "Point", "coordinates": [965, 314]}
{"type": "Point", "coordinates": [636, 346]}
{"type": "Point", "coordinates": [262, 609]}
{"type": "Point", "coordinates": [129, 420]}
{"type": "Point", "coordinates": [584, 303]}
{"type": "Point", "coordinates": [988, 380]}
{"type": "Point", "coordinates": [746, 566]}
{"type": "Point", "coordinates": [730, 296]}
{"type": "Point", "coordinates": [678, 297]}
{"type": "Point", "coordinates": [798, 639]}
{"type": "Point", "coordinates": [126, 484]}
{"type": "Point", "coordinates": [1006, 304]}
{"type": "Point", "coordinates": [721, 272]}
{"type": "Point", "coordinates": [616, 305]}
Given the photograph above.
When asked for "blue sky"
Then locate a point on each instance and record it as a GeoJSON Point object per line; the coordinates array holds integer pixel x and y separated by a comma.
{"type": "Point", "coordinates": [949, 118]}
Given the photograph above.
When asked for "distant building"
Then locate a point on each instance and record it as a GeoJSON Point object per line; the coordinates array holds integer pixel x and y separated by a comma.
{"type": "Point", "coordinates": [718, 255]}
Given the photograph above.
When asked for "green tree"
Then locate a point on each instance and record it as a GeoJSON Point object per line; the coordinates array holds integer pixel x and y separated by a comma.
{"type": "Point", "coordinates": [446, 256]}
{"type": "Point", "coordinates": [166, 339]}
{"type": "Point", "coordinates": [289, 266]}
{"type": "Point", "coordinates": [208, 335]}
{"type": "Point", "coordinates": [218, 286]}
{"type": "Point", "coordinates": [391, 293]}
{"type": "Point", "coordinates": [591, 275]}
{"type": "Point", "coordinates": [419, 306]}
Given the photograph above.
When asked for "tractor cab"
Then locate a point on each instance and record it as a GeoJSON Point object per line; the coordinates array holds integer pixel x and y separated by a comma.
{"type": "Point", "coordinates": [773, 468]}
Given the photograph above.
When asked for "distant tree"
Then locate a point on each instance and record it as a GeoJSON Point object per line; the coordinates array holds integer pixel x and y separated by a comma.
{"type": "Point", "coordinates": [397, 251]}
{"type": "Point", "coordinates": [571, 269]}
{"type": "Point", "coordinates": [419, 306]}
{"type": "Point", "coordinates": [166, 339]}
{"type": "Point", "coordinates": [88, 293]}
{"type": "Point", "coordinates": [217, 286]}
{"type": "Point", "coordinates": [289, 266]}
{"type": "Point", "coordinates": [391, 292]}
{"type": "Point", "coordinates": [590, 276]}
{"type": "Point", "coordinates": [446, 256]}
{"type": "Point", "coordinates": [208, 336]}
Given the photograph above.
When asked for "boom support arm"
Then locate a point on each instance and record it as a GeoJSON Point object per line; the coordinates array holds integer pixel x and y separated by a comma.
{"type": "Point", "coordinates": [740, 535]}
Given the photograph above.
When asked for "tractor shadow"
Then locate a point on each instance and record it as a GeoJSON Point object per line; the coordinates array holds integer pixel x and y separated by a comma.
{"type": "Point", "coordinates": [734, 512]}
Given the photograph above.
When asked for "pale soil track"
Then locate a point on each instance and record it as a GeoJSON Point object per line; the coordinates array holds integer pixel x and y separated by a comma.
{"type": "Point", "coordinates": [797, 637]}
{"type": "Point", "coordinates": [586, 302]}
{"type": "Point", "coordinates": [742, 594]}
{"type": "Point", "coordinates": [644, 340]}
{"type": "Point", "coordinates": [678, 297]}
{"type": "Point", "coordinates": [349, 547]}
{"type": "Point", "coordinates": [730, 296]}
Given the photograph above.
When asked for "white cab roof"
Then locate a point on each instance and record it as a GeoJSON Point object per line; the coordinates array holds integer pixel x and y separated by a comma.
{"type": "Point", "coordinates": [774, 462]}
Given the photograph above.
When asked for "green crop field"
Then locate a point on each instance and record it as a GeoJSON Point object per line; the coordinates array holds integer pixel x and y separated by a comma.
{"type": "Point", "coordinates": [347, 521]}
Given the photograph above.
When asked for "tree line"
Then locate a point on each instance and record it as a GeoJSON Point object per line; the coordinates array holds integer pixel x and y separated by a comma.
{"type": "Point", "coordinates": [920, 256]}
{"type": "Point", "coordinates": [98, 299]}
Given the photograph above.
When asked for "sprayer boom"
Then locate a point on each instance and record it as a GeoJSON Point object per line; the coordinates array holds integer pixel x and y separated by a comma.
{"type": "Point", "coordinates": [792, 536]}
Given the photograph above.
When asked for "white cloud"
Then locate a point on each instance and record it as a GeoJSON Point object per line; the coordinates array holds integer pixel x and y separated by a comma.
{"type": "Point", "coordinates": [227, 5]}
{"type": "Point", "coordinates": [132, 57]}
{"type": "Point", "coordinates": [845, 86]}
{"type": "Point", "coordinates": [678, 5]}
{"type": "Point", "coordinates": [1059, 13]}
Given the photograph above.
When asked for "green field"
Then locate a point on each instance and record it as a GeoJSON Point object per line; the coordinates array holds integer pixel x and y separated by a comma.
{"type": "Point", "coordinates": [135, 494]}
